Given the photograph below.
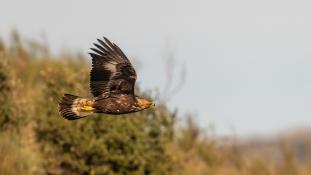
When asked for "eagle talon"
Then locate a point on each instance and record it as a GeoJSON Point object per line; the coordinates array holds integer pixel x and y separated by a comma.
{"type": "Point", "coordinates": [87, 108]}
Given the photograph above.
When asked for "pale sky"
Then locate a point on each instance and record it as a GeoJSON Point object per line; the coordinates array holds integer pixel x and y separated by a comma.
{"type": "Point", "coordinates": [248, 62]}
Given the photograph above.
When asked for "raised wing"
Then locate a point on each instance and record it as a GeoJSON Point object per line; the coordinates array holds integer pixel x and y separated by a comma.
{"type": "Point", "coordinates": [111, 71]}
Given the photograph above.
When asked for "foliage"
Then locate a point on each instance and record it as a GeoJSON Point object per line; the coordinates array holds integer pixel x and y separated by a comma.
{"type": "Point", "coordinates": [34, 139]}
{"type": "Point", "coordinates": [5, 91]}
{"type": "Point", "coordinates": [102, 144]}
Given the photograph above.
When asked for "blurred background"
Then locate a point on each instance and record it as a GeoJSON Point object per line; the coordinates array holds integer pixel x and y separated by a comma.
{"type": "Point", "coordinates": [231, 80]}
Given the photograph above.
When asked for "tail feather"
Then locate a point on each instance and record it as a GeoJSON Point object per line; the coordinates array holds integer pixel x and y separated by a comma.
{"type": "Point", "coordinates": [72, 107]}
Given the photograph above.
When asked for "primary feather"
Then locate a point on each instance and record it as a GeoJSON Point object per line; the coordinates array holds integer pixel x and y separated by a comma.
{"type": "Point", "coordinates": [111, 70]}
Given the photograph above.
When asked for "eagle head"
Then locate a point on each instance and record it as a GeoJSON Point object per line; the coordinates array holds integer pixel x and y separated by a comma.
{"type": "Point", "coordinates": [143, 103]}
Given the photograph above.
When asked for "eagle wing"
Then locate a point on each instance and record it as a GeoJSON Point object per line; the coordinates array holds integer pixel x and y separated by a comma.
{"type": "Point", "coordinates": [112, 72]}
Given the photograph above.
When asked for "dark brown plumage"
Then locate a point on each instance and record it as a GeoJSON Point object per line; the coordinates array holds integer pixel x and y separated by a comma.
{"type": "Point", "coordinates": [112, 83]}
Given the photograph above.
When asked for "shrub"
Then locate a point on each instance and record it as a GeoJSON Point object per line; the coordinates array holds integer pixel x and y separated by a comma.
{"type": "Point", "coordinates": [99, 144]}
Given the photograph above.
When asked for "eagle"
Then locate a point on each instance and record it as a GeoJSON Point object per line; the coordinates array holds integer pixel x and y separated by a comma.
{"type": "Point", "coordinates": [112, 83]}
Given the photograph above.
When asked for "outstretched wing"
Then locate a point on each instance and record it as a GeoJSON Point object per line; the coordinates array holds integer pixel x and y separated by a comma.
{"type": "Point", "coordinates": [111, 71]}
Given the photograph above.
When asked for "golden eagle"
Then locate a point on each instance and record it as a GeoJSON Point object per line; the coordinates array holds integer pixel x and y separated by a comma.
{"type": "Point", "coordinates": [112, 85]}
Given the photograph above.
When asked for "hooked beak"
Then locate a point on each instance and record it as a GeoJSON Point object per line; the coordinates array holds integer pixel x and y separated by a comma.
{"type": "Point", "coordinates": [152, 104]}
{"type": "Point", "coordinates": [145, 103]}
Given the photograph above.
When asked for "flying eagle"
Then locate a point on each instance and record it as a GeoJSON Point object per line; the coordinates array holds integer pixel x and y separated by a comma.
{"type": "Point", "coordinates": [112, 85]}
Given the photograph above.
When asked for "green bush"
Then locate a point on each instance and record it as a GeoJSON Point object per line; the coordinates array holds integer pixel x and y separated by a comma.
{"type": "Point", "coordinates": [99, 144]}
{"type": "Point", "coordinates": [34, 139]}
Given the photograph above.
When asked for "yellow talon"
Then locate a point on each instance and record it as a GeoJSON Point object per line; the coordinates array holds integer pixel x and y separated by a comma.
{"type": "Point", "coordinates": [87, 108]}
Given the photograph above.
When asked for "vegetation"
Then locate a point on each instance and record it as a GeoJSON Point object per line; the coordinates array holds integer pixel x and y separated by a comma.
{"type": "Point", "coordinates": [34, 139]}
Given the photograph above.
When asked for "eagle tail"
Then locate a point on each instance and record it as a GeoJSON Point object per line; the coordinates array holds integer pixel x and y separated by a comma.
{"type": "Point", "coordinates": [72, 107]}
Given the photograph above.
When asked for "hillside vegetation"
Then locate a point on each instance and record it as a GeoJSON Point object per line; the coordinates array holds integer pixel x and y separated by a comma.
{"type": "Point", "coordinates": [34, 139]}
